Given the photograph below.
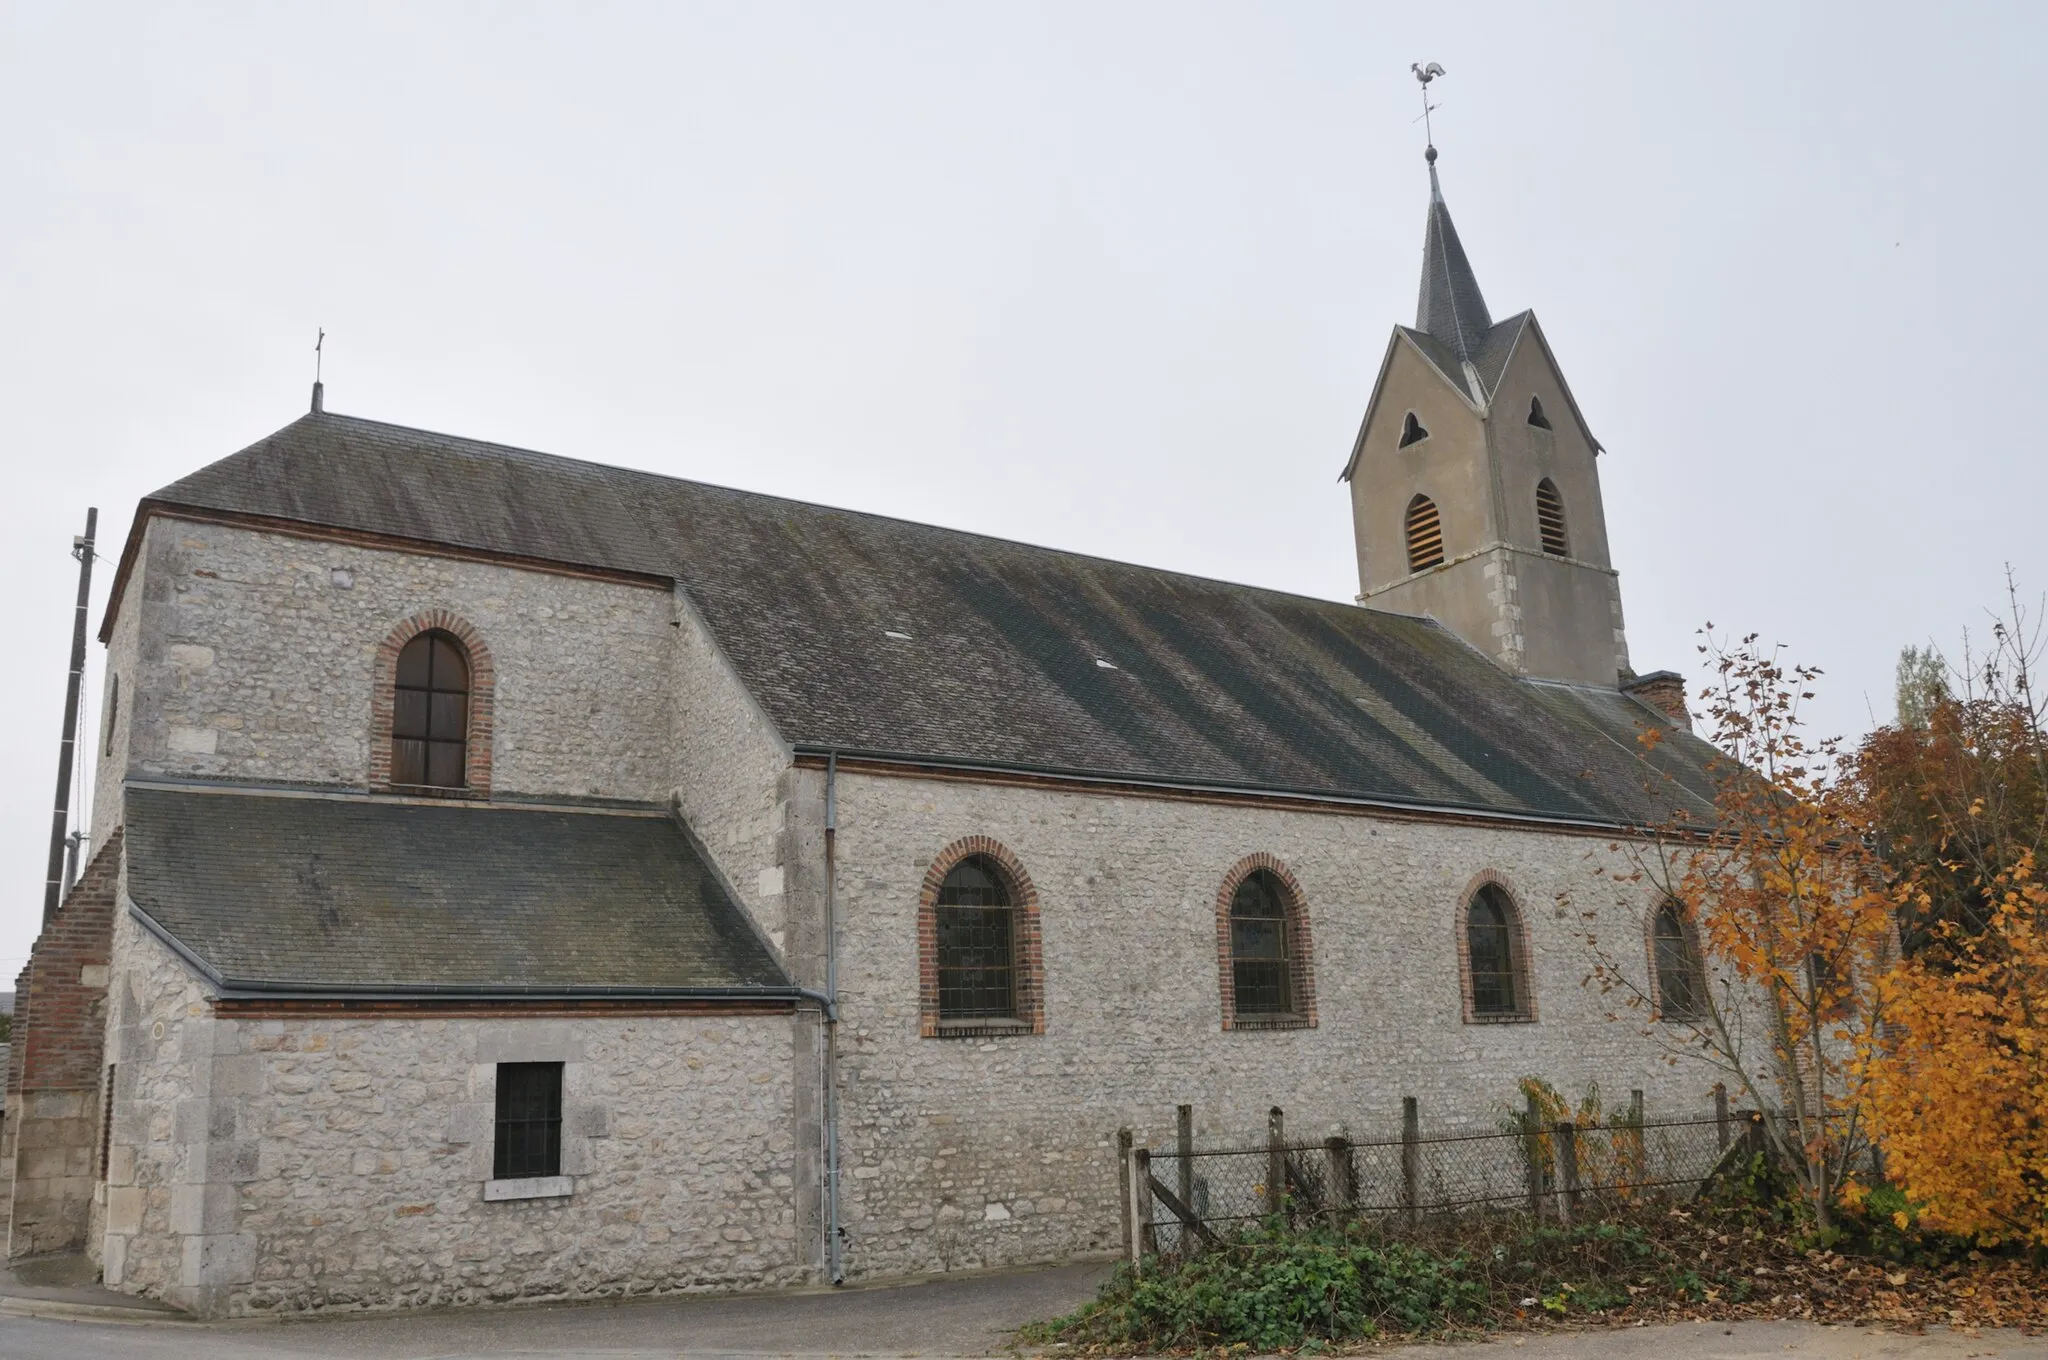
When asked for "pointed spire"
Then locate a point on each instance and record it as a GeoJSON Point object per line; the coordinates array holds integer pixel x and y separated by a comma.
{"type": "Point", "coordinates": [1450, 307]}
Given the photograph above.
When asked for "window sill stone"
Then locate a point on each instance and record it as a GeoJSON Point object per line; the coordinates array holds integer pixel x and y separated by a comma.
{"type": "Point", "coordinates": [1511, 1018]}
{"type": "Point", "coordinates": [1256, 1022]}
{"type": "Point", "coordinates": [531, 1187]}
{"type": "Point", "coordinates": [465, 792]}
{"type": "Point", "coordinates": [982, 1029]}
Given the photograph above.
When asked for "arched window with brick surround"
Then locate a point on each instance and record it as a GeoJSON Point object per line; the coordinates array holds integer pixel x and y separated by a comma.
{"type": "Point", "coordinates": [1493, 955]}
{"type": "Point", "coordinates": [979, 959]}
{"type": "Point", "coordinates": [431, 711]}
{"type": "Point", "coordinates": [1265, 963]}
{"type": "Point", "coordinates": [1678, 975]}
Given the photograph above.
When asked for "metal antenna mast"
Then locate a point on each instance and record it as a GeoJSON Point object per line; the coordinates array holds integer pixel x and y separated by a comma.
{"type": "Point", "coordinates": [81, 548]}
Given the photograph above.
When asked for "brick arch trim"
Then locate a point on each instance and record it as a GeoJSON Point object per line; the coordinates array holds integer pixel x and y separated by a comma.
{"type": "Point", "coordinates": [1519, 947]}
{"type": "Point", "coordinates": [1026, 944]}
{"type": "Point", "coordinates": [482, 694]}
{"type": "Point", "coordinates": [1301, 969]}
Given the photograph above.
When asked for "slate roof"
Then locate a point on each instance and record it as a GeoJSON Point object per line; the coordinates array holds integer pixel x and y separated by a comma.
{"type": "Point", "coordinates": [280, 891]}
{"type": "Point", "coordinates": [1207, 683]}
{"type": "Point", "coordinates": [1489, 356]}
{"type": "Point", "coordinates": [1449, 306]}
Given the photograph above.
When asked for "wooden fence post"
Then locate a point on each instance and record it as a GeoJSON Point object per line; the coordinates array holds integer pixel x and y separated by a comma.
{"type": "Point", "coordinates": [1567, 1170]}
{"type": "Point", "coordinates": [1123, 1171]}
{"type": "Point", "coordinates": [1141, 1205]}
{"type": "Point", "coordinates": [1638, 1169]}
{"type": "Point", "coordinates": [1532, 1154]}
{"type": "Point", "coordinates": [1721, 1124]}
{"type": "Point", "coordinates": [1184, 1124]}
{"type": "Point", "coordinates": [1343, 1179]}
{"type": "Point", "coordinates": [1276, 1161]}
{"type": "Point", "coordinates": [1411, 1160]}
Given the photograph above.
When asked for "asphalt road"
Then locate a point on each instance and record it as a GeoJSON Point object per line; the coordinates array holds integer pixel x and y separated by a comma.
{"type": "Point", "coordinates": [970, 1316]}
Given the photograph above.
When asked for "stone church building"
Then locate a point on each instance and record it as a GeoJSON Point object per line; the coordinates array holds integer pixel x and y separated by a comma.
{"type": "Point", "coordinates": [521, 877]}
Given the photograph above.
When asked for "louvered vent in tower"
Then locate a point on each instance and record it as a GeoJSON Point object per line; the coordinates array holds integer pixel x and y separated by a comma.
{"type": "Point", "coordinates": [1550, 519]}
{"type": "Point", "coordinates": [1425, 535]}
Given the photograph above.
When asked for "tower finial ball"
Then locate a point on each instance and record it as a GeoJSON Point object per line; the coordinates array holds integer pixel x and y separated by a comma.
{"type": "Point", "coordinates": [1429, 154]}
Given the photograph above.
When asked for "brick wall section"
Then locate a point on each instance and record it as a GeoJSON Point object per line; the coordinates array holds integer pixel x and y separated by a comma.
{"type": "Point", "coordinates": [64, 1034]}
{"type": "Point", "coordinates": [1665, 692]}
{"type": "Point", "coordinates": [16, 1051]}
{"type": "Point", "coordinates": [54, 1088]}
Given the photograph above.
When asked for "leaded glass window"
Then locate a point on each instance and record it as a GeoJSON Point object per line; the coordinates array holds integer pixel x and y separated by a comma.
{"type": "Point", "coordinates": [430, 713]}
{"type": "Point", "coordinates": [1260, 958]}
{"type": "Point", "coordinates": [1491, 950]}
{"type": "Point", "coordinates": [977, 944]}
{"type": "Point", "coordinates": [1681, 981]}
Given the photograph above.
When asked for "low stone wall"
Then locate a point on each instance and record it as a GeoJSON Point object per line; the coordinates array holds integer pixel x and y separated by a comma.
{"type": "Point", "coordinates": [285, 1165]}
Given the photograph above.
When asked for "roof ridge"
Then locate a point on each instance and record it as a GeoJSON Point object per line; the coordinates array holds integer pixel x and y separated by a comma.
{"type": "Point", "coordinates": [870, 515]}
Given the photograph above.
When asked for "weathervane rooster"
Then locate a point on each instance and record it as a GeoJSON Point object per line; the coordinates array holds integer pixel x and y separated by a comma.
{"type": "Point", "coordinates": [1425, 74]}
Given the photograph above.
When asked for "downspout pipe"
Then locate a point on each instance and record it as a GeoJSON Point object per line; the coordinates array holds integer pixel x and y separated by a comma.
{"type": "Point", "coordinates": [834, 1256]}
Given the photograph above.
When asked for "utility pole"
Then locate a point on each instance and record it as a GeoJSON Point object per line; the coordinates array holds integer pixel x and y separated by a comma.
{"type": "Point", "coordinates": [81, 548]}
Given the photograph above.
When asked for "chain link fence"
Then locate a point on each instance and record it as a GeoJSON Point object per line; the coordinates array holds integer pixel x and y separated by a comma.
{"type": "Point", "coordinates": [1182, 1197]}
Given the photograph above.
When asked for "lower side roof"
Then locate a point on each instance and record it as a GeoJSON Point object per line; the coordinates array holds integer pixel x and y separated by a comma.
{"type": "Point", "coordinates": [283, 892]}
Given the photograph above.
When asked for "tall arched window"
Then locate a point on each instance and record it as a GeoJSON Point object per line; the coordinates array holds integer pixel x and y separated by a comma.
{"type": "Point", "coordinates": [1550, 519]}
{"type": "Point", "coordinates": [1681, 979]}
{"type": "Point", "coordinates": [1496, 979]}
{"type": "Point", "coordinates": [976, 944]}
{"type": "Point", "coordinates": [1265, 959]}
{"type": "Point", "coordinates": [430, 713]}
{"type": "Point", "coordinates": [1425, 535]}
{"type": "Point", "coordinates": [1260, 957]}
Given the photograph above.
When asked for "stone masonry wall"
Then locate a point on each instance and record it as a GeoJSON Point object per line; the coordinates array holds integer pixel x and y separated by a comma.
{"type": "Point", "coordinates": [728, 757]}
{"type": "Point", "coordinates": [119, 690]}
{"type": "Point", "coordinates": [285, 1165]}
{"type": "Point", "coordinates": [254, 654]}
{"type": "Point", "coordinates": [971, 1152]}
{"type": "Point", "coordinates": [53, 1097]}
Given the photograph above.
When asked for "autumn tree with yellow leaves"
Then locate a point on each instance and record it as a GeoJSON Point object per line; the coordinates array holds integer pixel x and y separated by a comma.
{"type": "Point", "coordinates": [1956, 1082]}
{"type": "Point", "coordinates": [1787, 921]}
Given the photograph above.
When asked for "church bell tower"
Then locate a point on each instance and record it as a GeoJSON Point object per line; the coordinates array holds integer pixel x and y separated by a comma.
{"type": "Point", "coordinates": [1475, 490]}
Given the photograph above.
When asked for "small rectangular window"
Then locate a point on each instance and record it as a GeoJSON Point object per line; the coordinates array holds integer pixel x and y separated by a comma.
{"type": "Point", "coordinates": [529, 1141]}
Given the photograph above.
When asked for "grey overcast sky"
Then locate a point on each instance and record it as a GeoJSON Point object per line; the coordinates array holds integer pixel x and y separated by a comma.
{"type": "Point", "coordinates": [1113, 277]}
